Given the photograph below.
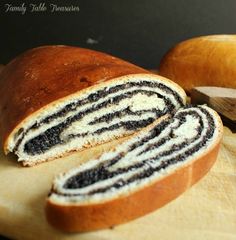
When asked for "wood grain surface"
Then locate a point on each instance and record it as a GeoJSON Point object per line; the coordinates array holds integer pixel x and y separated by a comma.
{"type": "Point", "coordinates": [206, 211]}
{"type": "Point", "coordinates": [222, 100]}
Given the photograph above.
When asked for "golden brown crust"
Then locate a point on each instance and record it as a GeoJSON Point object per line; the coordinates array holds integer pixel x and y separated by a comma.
{"type": "Point", "coordinates": [45, 74]}
{"type": "Point", "coordinates": [83, 218]}
{"type": "Point", "coordinates": [202, 61]}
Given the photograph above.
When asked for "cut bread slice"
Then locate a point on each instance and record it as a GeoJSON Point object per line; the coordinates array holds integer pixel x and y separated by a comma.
{"type": "Point", "coordinates": [68, 99]}
{"type": "Point", "coordinates": [148, 170]}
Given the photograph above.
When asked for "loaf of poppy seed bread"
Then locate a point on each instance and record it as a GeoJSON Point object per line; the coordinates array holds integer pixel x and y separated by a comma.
{"type": "Point", "coordinates": [145, 172]}
{"type": "Point", "coordinates": [202, 61]}
{"type": "Point", "coordinates": [58, 99]}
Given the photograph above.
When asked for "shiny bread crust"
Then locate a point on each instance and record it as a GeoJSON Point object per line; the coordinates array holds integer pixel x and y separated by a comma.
{"type": "Point", "coordinates": [46, 74]}
{"type": "Point", "coordinates": [202, 61]}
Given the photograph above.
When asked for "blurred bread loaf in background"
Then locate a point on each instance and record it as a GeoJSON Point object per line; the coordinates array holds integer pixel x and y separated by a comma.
{"type": "Point", "coordinates": [202, 61]}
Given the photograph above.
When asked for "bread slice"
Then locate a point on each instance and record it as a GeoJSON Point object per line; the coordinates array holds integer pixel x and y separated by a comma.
{"type": "Point", "coordinates": [58, 99]}
{"type": "Point", "coordinates": [145, 172]}
{"type": "Point", "coordinates": [202, 61]}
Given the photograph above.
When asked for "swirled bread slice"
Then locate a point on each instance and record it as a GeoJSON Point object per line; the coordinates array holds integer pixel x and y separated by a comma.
{"type": "Point", "coordinates": [142, 174]}
{"type": "Point", "coordinates": [58, 99]}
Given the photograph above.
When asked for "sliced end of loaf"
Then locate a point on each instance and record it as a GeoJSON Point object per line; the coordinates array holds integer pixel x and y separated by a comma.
{"type": "Point", "coordinates": [145, 172]}
{"type": "Point", "coordinates": [93, 116]}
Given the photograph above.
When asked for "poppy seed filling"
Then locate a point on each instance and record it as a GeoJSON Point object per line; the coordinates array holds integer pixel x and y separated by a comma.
{"type": "Point", "coordinates": [164, 145]}
{"type": "Point", "coordinates": [129, 119]}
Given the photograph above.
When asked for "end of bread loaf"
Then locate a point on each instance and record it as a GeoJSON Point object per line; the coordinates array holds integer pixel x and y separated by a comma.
{"type": "Point", "coordinates": [151, 168]}
{"type": "Point", "coordinates": [70, 98]}
{"type": "Point", "coordinates": [93, 116]}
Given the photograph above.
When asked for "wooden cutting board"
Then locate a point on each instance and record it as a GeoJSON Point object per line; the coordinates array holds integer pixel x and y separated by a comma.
{"type": "Point", "coordinates": [222, 100]}
{"type": "Point", "coordinates": [206, 211]}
